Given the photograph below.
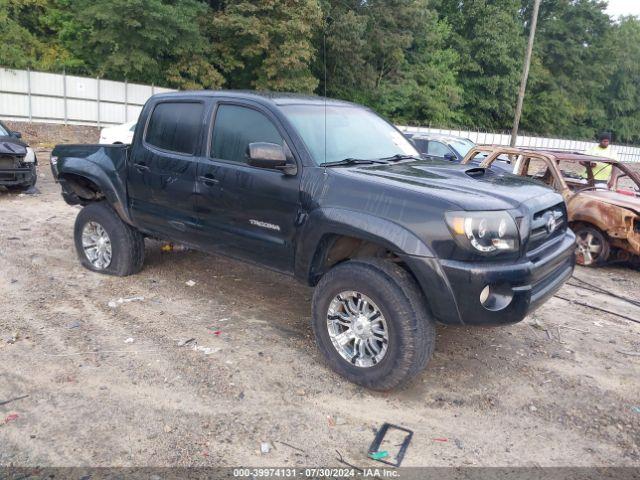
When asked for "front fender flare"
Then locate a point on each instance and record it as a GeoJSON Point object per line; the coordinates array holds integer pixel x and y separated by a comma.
{"type": "Point", "coordinates": [415, 253]}
{"type": "Point", "coordinates": [335, 221]}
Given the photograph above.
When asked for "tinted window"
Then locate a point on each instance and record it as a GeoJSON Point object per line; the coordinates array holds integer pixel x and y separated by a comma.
{"type": "Point", "coordinates": [437, 149]}
{"type": "Point", "coordinates": [175, 126]}
{"type": "Point", "coordinates": [421, 145]}
{"type": "Point", "coordinates": [462, 145]}
{"type": "Point", "coordinates": [236, 127]}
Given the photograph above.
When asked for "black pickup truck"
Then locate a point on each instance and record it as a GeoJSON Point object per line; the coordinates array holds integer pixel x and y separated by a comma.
{"type": "Point", "coordinates": [330, 193]}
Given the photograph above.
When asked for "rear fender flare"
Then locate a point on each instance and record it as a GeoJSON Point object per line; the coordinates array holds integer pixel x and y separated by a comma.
{"type": "Point", "coordinates": [109, 182]}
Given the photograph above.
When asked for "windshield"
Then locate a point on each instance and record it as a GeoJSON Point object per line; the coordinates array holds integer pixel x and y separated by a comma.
{"type": "Point", "coordinates": [462, 146]}
{"type": "Point", "coordinates": [3, 131]}
{"type": "Point", "coordinates": [352, 132]}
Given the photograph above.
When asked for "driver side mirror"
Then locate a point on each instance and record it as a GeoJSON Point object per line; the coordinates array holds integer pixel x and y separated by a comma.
{"type": "Point", "coordinates": [271, 156]}
{"type": "Point", "coordinates": [450, 157]}
{"type": "Point", "coordinates": [16, 134]}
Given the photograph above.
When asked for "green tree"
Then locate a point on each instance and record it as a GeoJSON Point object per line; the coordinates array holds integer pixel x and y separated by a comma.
{"type": "Point", "coordinates": [391, 55]}
{"type": "Point", "coordinates": [571, 69]}
{"type": "Point", "coordinates": [266, 44]}
{"type": "Point", "coordinates": [142, 40]}
{"type": "Point", "coordinates": [622, 101]}
{"type": "Point", "coordinates": [489, 37]}
{"type": "Point", "coordinates": [25, 43]}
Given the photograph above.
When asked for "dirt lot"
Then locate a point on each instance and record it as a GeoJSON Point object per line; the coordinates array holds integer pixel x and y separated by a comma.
{"type": "Point", "coordinates": [110, 386]}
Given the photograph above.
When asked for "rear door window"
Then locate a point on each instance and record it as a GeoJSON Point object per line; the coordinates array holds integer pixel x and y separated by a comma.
{"type": "Point", "coordinates": [235, 127]}
{"type": "Point", "coordinates": [175, 126]}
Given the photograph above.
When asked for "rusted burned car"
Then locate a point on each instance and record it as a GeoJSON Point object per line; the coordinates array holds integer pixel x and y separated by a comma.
{"type": "Point", "coordinates": [602, 197]}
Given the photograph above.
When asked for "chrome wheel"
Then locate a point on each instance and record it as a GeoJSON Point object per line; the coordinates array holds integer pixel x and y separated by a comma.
{"type": "Point", "coordinates": [589, 247]}
{"type": "Point", "coordinates": [357, 329]}
{"type": "Point", "coordinates": [96, 245]}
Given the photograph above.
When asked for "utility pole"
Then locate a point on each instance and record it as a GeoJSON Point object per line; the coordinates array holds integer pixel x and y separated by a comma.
{"type": "Point", "coordinates": [525, 72]}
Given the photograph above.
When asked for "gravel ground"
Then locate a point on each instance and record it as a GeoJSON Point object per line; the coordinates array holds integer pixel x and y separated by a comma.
{"type": "Point", "coordinates": [111, 386]}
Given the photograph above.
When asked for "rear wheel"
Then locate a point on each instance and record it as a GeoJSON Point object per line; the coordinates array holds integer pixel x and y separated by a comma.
{"type": "Point", "coordinates": [372, 324]}
{"type": "Point", "coordinates": [592, 246]}
{"type": "Point", "coordinates": [105, 243]}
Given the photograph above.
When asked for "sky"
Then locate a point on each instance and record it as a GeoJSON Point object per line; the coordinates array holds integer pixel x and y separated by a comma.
{"type": "Point", "coordinates": [623, 7]}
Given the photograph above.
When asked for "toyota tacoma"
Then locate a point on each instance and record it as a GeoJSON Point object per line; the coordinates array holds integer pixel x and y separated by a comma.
{"type": "Point", "coordinates": [333, 195]}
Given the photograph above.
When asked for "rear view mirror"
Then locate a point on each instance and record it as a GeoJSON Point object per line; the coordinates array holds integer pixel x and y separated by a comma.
{"type": "Point", "coordinates": [269, 155]}
{"type": "Point", "coordinates": [16, 134]}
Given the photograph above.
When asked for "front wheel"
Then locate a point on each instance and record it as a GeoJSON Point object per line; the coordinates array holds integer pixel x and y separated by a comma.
{"type": "Point", "coordinates": [592, 246]}
{"type": "Point", "coordinates": [372, 324]}
{"type": "Point", "coordinates": [105, 243]}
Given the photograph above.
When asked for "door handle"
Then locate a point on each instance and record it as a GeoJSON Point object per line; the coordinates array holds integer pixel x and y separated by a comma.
{"type": "Point", "coordinates": [208, 179]}
{"type": "Point", "coordinates": [141, 167]}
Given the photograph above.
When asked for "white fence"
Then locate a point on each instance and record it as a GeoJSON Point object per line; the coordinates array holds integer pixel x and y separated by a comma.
{"type": "Point", "coordinates": [625, 153]}
{"type": "Point", "coordinates": [58, 98]}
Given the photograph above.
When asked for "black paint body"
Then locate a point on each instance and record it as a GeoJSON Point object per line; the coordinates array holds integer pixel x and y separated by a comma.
{"type": "Point", "coordinates": [213, 206]}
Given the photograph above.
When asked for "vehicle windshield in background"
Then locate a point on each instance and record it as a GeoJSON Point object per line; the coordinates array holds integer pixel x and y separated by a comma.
{"type": "Point", "coordinates": [3, 131]}
{"type": "Point", "coordinates": [462, 146]}
{"type": "Point", "coordinates": [351, 133]}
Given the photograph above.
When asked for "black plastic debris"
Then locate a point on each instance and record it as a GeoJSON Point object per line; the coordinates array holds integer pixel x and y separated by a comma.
{"type": "Point", "coordinates": [377, 454]}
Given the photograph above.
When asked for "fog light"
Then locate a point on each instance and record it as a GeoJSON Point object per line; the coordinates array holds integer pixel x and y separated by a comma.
{"type": "Point", "coordinates": [496, 297]}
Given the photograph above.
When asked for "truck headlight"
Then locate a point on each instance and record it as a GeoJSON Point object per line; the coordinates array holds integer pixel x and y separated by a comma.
{"type": "Point", "coordinates": [484, 232]}
{"type": "Point", "coordinates": [30, 157]}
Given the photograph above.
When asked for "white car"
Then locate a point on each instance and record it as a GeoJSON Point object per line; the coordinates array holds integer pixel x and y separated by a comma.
{"type": "Point", "coordinates": [118, 134]}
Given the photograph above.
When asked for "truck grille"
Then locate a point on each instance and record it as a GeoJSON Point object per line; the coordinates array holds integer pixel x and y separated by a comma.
{"type": "Point", "coordinates": [7, 161]}
{"type": "Point", "coordinates": [546, 225]}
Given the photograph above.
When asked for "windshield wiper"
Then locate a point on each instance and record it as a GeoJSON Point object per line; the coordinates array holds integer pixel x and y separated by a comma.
{"type": "Point", "coordinates": [397, 157]}
{"type": "Point", "coordinates": [352, 161]}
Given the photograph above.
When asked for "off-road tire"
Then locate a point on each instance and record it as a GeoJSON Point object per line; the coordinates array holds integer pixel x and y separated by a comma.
{"type": "Point", "coordinates": [411, 327]}
{"type": "Point", "coordinates": [127, 243]}
{"type": "Point", "coordinates": [603, 256]}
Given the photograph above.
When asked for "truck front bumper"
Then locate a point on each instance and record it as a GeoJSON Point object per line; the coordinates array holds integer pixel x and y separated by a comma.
{"type": "Point", "coordinates": [17, 176]}
{"type": "Point", "coordinates": [493, 293]}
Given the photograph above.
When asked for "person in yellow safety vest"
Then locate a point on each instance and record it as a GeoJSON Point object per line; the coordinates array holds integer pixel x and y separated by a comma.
{"type": "Point", "coordinates": [602, 171]}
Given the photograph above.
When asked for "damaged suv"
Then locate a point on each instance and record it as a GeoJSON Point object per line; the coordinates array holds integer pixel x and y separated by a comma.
{"type": "Point", "coordinates": [333, 195]}
{"type": "Point", "coordinates": [17, 161]}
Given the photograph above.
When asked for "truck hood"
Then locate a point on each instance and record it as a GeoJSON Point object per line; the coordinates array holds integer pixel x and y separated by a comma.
{"type": "Point", "coordinates": [614, 198]}
{"type": "Point", "coordinates": [468, 186]}
{"type": "Point", "coordinates": [12, 146]}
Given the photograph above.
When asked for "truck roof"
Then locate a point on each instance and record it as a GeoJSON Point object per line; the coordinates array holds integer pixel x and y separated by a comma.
{"type": "Point", "coordinates": [277, 98]}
